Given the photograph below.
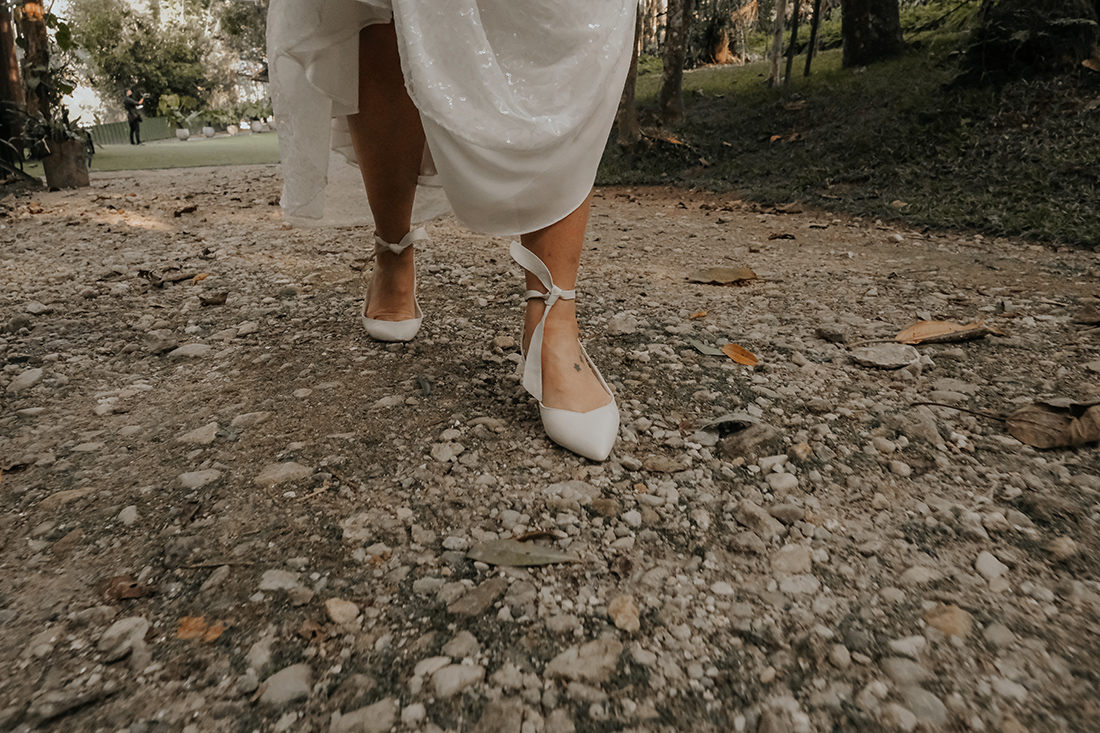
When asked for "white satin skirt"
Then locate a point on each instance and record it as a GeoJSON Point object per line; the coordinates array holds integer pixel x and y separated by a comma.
{"type": "Point", "coordinates": [517, 97]}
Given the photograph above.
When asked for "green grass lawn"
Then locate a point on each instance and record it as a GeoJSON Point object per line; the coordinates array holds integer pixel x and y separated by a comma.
{"type": "Point", "coordinates": [198, 151]}
{"type": "Point", "coordinates": [894, 141]}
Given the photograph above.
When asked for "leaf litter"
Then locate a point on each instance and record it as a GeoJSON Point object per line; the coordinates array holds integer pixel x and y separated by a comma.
{"type": "Point", "coordinates": [723, 276]}
{"type": "Point", "coordinates": [513, 553]}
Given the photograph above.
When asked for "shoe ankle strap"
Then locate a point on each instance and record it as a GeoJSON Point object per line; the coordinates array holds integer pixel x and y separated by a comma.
{"type": "Point", "coordinates": [416, 235]}
{"type": "Point", "coordinates": [528, 260]}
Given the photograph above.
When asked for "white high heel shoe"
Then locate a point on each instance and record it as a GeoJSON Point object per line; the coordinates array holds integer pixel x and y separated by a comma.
{"type": "Point", "coordinates": [394, 330]}
{"type": "Point", "coordinates": [590, 434]}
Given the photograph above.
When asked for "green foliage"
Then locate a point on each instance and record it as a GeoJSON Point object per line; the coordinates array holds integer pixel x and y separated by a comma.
{"type": "Point", "coordinates": [1021, 160]}
{"type": "Point", "coordinates": [242, 25]}
{"type": "Point", "coordinates": [129, 49]}
{"type": "Point", "coordinates": [1028, 38]}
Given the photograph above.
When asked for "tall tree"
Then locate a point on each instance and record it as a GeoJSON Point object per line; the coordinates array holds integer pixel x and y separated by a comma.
{"type": "Point", "coordinates": [36, 56]}
{"type": "Point", "coordinates": [677, 26]}
{"type": "Point", "coordinates": [131, 49]}
{"type": "Point", "coordinates": [871, 31]}
{"type": "Point", "coordinates": [777, 42]}
{"type": "Point", "coordinates": [629, 130]}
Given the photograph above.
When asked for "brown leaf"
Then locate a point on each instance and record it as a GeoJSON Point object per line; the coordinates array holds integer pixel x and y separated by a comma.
{"type": "Point", "coordinates": [191, 627]}
{"type": "Point", "coordinates": [213, 631]}
{"type": "Point", "coordinates": [723, 276]}
{"type": "Point", "coordinates": [214, 298]}
{"type": "Point", "coordinates": [124, 588]}
{"type": "Point", "coordinates": [1056, 424]}
{"type": "Point", "coordinates": [1091, 64]}
{"type": "Point", "coordinates": [942, 332]}
{"type": "Point", "coordinates": [199, 278]}
{"type": "Point", "coordinates": [740, 355]}
{"type": "Point", "coordinates": [311, 631]}
{"type": "Point", "coordinates": [697, 314]}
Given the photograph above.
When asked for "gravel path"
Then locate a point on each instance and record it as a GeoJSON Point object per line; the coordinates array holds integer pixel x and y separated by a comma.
{"type": "Point", "coordinates": [222, 508]}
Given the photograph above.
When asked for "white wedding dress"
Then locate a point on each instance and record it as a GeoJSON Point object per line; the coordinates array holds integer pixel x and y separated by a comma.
{"type": "Point", "coordinates": [516, 96]}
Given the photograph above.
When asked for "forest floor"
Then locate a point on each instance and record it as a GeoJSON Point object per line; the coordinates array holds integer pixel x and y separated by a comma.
{"type": "Point", "coordinates": [223, 508]}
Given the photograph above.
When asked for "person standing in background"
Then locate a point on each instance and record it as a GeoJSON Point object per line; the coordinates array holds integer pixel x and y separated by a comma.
{"type": "Point", "coordinates": [133, 116]}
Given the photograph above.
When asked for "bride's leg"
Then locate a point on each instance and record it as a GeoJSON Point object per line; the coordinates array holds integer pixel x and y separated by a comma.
{"type": "Point", "coordinates": [567, 381]}
{"type": "Point", "coordinates": [389, 144]}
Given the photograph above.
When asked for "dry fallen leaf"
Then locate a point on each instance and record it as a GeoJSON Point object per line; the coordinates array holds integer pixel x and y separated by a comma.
{"type": "Point", "coordinates": [310, 630]}
{"type": "Point", "coordinates": [199, 278]}
{"type": "Point", "coordinates": [1056, 424]}
{"type": "Point", "coordinates": [1092, 64]}
{"type": "Point", "coordinates": [740, 355]}
{"type": "Point", "coordinates": [697, 314]}
{"type": "Point", "coordinates": [942, 332]}
{"type": "Point", "coordinates": [195, 627]}
{"type": "Point", "coordinates": [513, 553]}
{"type": "Point", "coordinates": [723, 276]}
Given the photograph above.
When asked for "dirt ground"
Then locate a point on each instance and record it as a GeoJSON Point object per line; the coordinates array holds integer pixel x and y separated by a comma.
{"type": "Point", "coordinates": [223, 508]}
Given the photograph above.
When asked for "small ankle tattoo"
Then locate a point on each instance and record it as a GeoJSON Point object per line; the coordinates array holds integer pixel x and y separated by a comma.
{"type": "Point", "coordinates": [577, 367]}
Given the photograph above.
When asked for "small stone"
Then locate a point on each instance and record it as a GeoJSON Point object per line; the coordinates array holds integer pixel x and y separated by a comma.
{"type": "Point", "coordinates": [895, 716]}
{"type": "Point", "coordinates": [621, 324]}
{"type": "Point", "coordinates": [879, 502]}
{"type": "Point", "coordinates": [250, 419]}
{"type": "Point", "coordinates": [920, 575]}
{"type": "Point", "coordinates": [593, 662]}
{"type": "Point", "coordinates": [1062, 548]}
{"type": "Point", "coordinates": [1009, 689]}
{"type": "Point", "coordinates": [885, 356]}
{"type": "Point", "coordinates": [128, 516]}
{"type": "Point", "coordinates": [446, 452]}
{"type": "Point", "coordinates": [190, 351]}
{"type": "Point", "coordinates": [606, 507]}
{"type": "Point", "coordinates": [910, 646]}
{"type": "Point", "coordinates": [752, 443]}
{"type": "Point", "coordinates": [802, 584]}
{"type": "Point", "coordinates": [787, 513]}
{"type": "Point", "coordinates": [904, 672]}
{"type": "Point", "coordinates": [950, 619]}
{"type": "Point", "coordinates": [377, 718]}
{"type": "Point", "coordinates": [201, 436]}
{"type": "Point", "coordinates": [463, 645]}
{"type": "Point", "coordinates": [840, 657]}
{"type": "Point", "coordinates": [632, 518]}
{"type": "Point", "coordinates": [998, 635]}
{"type": "Point", "coordinates": [123, 637]}
{"type": "Point", "coordinates": [928, 708]}
{"type": "Point", "coordinates": [883, 445]}
{"type": "Point", "coordinates": [900, 468]}
{"type": "Point", "coordinates": [755, 518]}
{"type": "Point", "coordinates": [792, 559]}
{"type": "Point", "coordinates": [341, 612]}
{"type": "Point", "coordinates": [782, 482]}
{"type": "Point", "coordinates": [216, 578]}
{"type": "Point", "coordinates": [504, 342]}
{"type": "Point", "coordinates": [278, 580]}
{"type": "Point", "coordinates": [24, 381]}
{"type": "Point", "coordinates": [454, 678]}
{"type": "Point", "coordinates": [414, 715]}
{"type": "Point", "coordinates": [282, 473]}
{"type": "Point", "coordinates": [287, 685]}
{"type": "Point", "coordinates": [663, 464]}
{"type": "Point", "coordinates": [722, 588]}
{"type": "Point", "coordinates": [198, 479]}
{"type": "Point", "coordinates": [989, 567]}
{"type": "Point", "coordinates": [624, 613]}
{"type": "Point", "coordinates": [37, 309]}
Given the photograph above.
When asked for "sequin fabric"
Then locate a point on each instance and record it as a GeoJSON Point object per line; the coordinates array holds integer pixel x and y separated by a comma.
{"type": "Point", "coordinates": [516, 96]}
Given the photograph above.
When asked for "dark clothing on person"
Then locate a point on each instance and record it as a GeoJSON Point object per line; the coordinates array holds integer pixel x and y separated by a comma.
{"type": "Point", "coordinates": [133, 116]}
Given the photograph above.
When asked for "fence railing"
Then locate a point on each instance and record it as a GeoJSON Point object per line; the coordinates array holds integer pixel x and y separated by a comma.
{"type": "Point", "coordinates": [118, 133]}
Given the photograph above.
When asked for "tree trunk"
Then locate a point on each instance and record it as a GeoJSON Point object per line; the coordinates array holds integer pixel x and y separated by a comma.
{"type": "Point", "coordinates": [815, 24]}
{"type": "Point", "coordinates": [777, 42]}
{"type": "Point", "coordinates": [793, 47]}
{"type": "Point", "coordinates": [11, 87]}
{"type": "Point", "coordinates": [626, 119]}
{"type": "Point", "coordinates": [871, 30]}
{"type": "Point", "coordinates": [36, 59]}
{"type": "Point", "coordinates": [678, 23]}
{"type": "Point", "coordinates": [67, 164]}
